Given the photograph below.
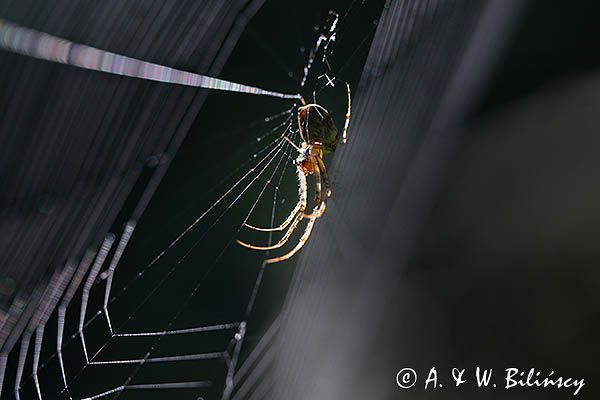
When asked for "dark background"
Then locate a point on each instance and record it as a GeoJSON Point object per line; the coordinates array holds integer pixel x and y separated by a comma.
{"type": "Point", "coordinates": [509, 258]}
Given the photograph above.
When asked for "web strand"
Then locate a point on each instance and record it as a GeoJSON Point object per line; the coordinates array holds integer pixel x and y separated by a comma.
{"type": "Point", "coordinates": [160, 334]}
{"type": "Point", "coordinates": [32, 43]}
{"type": "Point", "coordinates": [87, 260]}
{"type": "Point", "coordinates": [43, 46]}
{"type": "Point", "coordinates": [240, 335]}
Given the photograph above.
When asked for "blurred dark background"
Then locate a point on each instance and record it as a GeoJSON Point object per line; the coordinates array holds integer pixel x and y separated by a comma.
{"type": "Point", "coordinates": [462, 231]}
{"type": "Point", "coordinates": [507, 266]}
{"type": "Point", "coordinates": [478, 246]}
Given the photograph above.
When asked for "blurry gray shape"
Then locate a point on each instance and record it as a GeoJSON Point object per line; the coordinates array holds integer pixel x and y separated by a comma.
{"type": "Point", "coordinates": [426, 67]}
{"type": "Point", "coordinates": [73, 143]}
{"type": "Point", "coordinates": [518, 227]}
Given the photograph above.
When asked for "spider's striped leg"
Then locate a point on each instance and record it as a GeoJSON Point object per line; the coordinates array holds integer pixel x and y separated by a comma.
{"type": "Point", "coordinates": [283, 240]}
{"type": "Point", "coordinates": [317, 180]}
{"type": "Point", "coordinates": [325, 176]}
{"type": "Point", "coordinates": [293, 144]}
{"type": "Point", "coordinates": [320, 207]}
{"type": "Point", "coordinates": [296, 216]}
{"type": "Point", "coordinates": [301, 205]}
{"type": "Point", "coordinates": [347, 122]}
{"type": "Point", "coordinates": [317, 212]}
{"type": "Point", "coordinates": [284, 224]}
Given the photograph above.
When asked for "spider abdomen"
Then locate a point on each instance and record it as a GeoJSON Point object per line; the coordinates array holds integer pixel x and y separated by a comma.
{"type": "Point", "coordinates": [317, 127]}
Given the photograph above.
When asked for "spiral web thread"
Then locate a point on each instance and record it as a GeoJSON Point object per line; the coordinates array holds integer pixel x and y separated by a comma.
{"type": "Point", "coordinates": [264, 169]}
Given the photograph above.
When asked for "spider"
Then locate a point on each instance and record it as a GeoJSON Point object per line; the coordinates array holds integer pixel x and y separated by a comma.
{"type": "Point", "coordinates": [319, 137]}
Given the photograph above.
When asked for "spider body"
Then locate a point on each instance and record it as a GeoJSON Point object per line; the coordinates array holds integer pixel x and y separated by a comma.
{"type": "Point", "coordinates": [317, 128]}
{"type": "Point", "coordinates": [319, 136]}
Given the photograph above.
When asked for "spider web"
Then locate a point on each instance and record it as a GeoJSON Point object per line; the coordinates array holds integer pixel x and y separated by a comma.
{"type": "Point", "coordinates": [127, 319]}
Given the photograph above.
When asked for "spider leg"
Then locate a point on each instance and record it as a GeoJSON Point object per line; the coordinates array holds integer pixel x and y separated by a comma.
{"type": "Point", "coordinates": [347, 123]}
{"type": "Point", "coordinates": [305, 127]}
{"type": "Point", "coordinates": [320, 167]}
{"type": "Point", "coordinates": [283, 225]}
{"type": "Point", "coordinates": [325, 176]}
{"type": "Point", "coordinates": [317, 212]}
{"type": "Point", "coordinates": [292, 143]}
{"type": "Point", "coordinates": [309, 226]}
{"type": "Point", "coordinates": [317, 180]}
{"type": "Point", "coordinates": [296, 215]}
{"type": "Point", "coordinates": [282, 241]}
{"type": "Point", "coordinates": [300, 127]}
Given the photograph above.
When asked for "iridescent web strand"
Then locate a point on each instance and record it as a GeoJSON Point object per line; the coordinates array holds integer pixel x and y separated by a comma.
{"type": "Point", "coordinates": [29, 42]}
